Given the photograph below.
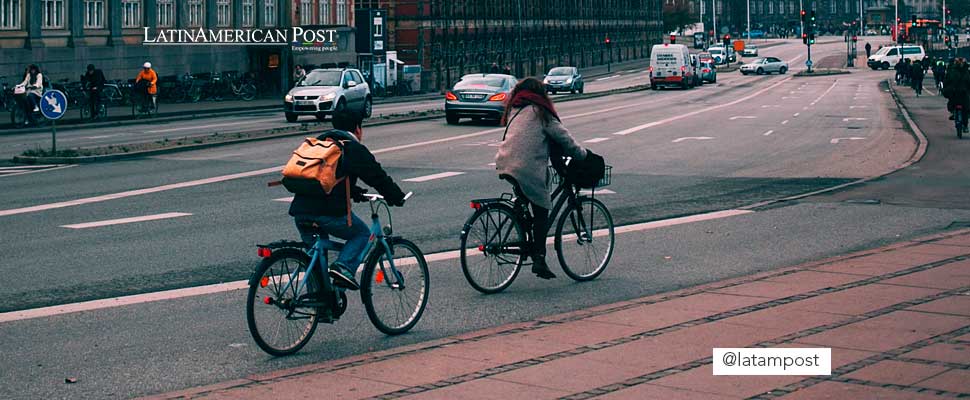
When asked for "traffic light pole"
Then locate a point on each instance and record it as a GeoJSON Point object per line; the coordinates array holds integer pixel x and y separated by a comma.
{"type": "Point", "coordinates": [809, 62]}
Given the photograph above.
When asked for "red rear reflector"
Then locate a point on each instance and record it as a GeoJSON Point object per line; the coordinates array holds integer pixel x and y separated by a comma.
{"type": "Point", "coordinates": [481, 247]}
{"type": "Point", "coordinates": [476, 205]}
{"type": "Point", "coordinates": [264, 252]}
{"type": "Point", "coordinates": [450, 96]}
{"type": "Point", "coordinates": [497, 97]}
{"type": "Point", "coordinates": [379, 277]}
{"type": "Point", "coordinates": [267, 300]}
{"type": "Point", "coordinates": [264, 282]}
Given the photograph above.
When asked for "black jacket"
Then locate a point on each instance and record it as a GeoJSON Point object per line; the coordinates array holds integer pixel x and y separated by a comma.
{"type": "Point", "coordinates": [356, 162]}
{"type": "Point", "coordinates": [95, 80]}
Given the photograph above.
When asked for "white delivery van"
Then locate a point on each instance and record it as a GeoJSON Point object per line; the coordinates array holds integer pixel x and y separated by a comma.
{"type": "Point", "coordinates": [887, 57]}
{"type": "Point", "coordinates": [670, 65]}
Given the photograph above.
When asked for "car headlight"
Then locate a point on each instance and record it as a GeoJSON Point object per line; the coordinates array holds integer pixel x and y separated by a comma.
{"type": "Point", "coordinates": [545, 80]}
{"type": "Point", "coordinates": [568, 81]}
{"type": "Point", "coordinates": [288, 98]}
{"type": "Point", "coordinates": [328, 97]}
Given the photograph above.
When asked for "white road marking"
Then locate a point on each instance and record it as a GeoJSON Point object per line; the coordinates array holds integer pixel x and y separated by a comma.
{"type": "Point", "coordinates": [186, 128]}
{"type": "Point", "coordinates": [14, 171]}
{"type": "Point", "coordinates": [825, 93]}
{"type": "Point", "coordinates": [769, 105]}
{"type": "Point", "coordinates": [785, 122]}
{"type": "Point", "coordinates": [790, 97]}
{"type": "Point", "coordinates": [768, 133]}
{"type": "Point", "coordinates": [35, 171]}
{"type": "Point", "coordinates": [696, 112]}
{"type": "Point", "coordinates": [805, 108]}
{"type": "Point", "coordinates": [678, 140]}
{"type": "Point", "coordinates": [736, 117]}
{"type": "Point", "coordinates": [598, 191]}
{"type": "Point", "coordinates": [284, 199]}
{"type": "Point", "coordinates": [858, 107]}
{"type": "Point", "coordinates": [30, 166]}
{"type": "Point", "coordinates": [837, 140]}
{"type": "Point", "coordinates": [137, 192]}
{"type": "Point", "coordinates": [795, 114]}
{"type": "Point", "coordinates": [244, 284]}
{"type": "Point", "coordinates": [126, 220]}
{"type": "Point", "coordinates": [607, 78]}
{"type": "Point", "coordinates": [597, 140]}
{"type": "Point", "coordinates": [433, 176]}
{"type": "Point", "coordinates": [853, 119]}
{"type": "Point", "coordinates": [491, 164]}
{"type": "Point", "coordinates": [102, 136]}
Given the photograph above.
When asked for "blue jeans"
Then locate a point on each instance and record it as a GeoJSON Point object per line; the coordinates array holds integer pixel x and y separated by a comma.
{"type": "Point", "coordinates": [355, 236]}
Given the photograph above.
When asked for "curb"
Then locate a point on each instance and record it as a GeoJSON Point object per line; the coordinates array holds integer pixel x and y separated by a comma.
{"type": "Point", "coordinates": [803, 74]}
{"type": "Point", "coordinates": [914, 130]}
{"type": "Point", "coordinates": [288, 132]}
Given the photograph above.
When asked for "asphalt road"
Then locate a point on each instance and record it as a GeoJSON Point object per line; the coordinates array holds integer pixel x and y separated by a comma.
{"type": "Point", "coordinates": [724, 146]}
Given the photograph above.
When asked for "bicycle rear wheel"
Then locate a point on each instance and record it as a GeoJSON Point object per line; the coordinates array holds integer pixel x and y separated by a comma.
{"type": "Point", "coordinates": [278, 325]}
{"type": "Point", "coordinates": [394, 304]}
{"type": "Point", "coordinates": [584, 239]}
{"type": "Point", "coordinates": [484, 239]}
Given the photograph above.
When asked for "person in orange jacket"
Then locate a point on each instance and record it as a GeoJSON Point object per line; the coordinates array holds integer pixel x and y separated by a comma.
{"type": "Point", "coordinates": [151, 79]}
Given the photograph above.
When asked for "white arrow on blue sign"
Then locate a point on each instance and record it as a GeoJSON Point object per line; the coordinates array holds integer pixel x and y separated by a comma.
{"type": "Point", "coordinates": [53, 104]}
{"type": "Point", "coordinates": [808, 63]}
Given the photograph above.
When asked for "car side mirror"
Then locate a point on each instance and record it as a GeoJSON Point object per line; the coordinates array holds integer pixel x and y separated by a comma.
{"type": "Point", "coordinates": [350, 84]}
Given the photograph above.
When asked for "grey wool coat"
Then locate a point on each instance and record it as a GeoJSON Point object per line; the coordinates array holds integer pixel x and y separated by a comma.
{"type": "Point", "coordinates": [524, 155]}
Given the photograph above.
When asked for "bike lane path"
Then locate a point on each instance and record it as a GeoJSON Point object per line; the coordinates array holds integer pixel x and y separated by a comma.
{"type": "Point", "coordinates": [897, 319]}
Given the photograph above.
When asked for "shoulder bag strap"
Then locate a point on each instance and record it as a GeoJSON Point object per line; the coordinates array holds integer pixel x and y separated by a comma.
{"type": "Point", "coordinates": [510, 123]}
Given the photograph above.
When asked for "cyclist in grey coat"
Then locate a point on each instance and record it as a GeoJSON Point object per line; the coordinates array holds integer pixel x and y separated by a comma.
{"type": "Point", "coordinates": [532, 127]}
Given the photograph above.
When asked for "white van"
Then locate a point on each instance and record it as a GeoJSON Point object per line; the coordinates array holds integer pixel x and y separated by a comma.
{"type": "Point", "coordinates": [887, 57]}
{"type": "Point", "coordinates": [670, 65]}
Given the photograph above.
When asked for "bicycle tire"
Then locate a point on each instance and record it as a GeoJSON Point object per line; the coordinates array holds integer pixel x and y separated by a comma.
{"type": "Point", "coordinates": [602, 224]}
{"type": "Point", "coordinates": [248, 92]}
{"type": "Point", "coordinates": [254, 300]}
{"type": "Point", "coordinates": [374, 278]}
{"type": "Point", "coordinates": [493, 261]}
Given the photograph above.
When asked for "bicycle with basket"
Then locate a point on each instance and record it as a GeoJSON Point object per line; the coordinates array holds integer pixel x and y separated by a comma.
{"type": "Point", "coordinates": [495, 238]}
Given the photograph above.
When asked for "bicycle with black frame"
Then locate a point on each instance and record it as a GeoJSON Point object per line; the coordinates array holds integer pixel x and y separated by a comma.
{"type": "Point", "coordinates": [495, 239]}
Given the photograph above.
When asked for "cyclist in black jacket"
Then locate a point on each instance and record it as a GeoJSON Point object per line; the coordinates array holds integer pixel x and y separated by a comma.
{"type": "Point", "coordinates": [329, 211]}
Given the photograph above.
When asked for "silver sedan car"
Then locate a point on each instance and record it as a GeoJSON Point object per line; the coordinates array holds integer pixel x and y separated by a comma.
{"type": "Point", "coordinates": [765, 65]}
{"type": "Point", "coordinates": [479, 96]}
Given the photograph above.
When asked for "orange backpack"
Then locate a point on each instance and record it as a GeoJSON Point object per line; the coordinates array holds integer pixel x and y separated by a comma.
{"type": "Point", "coordinates": [312, 170]}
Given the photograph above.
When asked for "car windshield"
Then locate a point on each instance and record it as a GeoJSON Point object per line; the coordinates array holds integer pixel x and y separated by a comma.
{"type": "Point", "coordinates": [757, 61]}
{"type": "Point", "coordinates": [561, 71]}
{"type": "Point", "coordinates": [481, 83]}
{"type": "Point", "coordinates": [715, 51]}
{"type": "Point", "coordinates": [321, 78]}
{"type": "Point", "coordinates": [883, 51]}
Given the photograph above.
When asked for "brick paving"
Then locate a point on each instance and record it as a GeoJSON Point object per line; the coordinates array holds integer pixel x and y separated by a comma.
{"type": "Point", "coordinates": [897, 320]}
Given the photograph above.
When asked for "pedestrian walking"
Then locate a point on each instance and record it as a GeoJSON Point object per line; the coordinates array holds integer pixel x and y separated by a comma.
{"type": "Point", "coordinates": [916, 77]}
{"type": "Point", "coordinates": [494, 68]}
{"type": "Point", "coordinates": [507, 70]}
{"type": "Point", "coordinates": [868, 50]}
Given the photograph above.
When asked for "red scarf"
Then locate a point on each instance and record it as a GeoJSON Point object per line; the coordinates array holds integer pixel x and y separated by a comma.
{"type": "Point", "coordinates": [525, 97]}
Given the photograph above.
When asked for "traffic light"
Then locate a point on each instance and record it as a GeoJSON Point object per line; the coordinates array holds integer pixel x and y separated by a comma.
{"type": "Point", "coordinates": [607, 41]}
{"type": "Point", "coordinates": [855, 39]}
{"type": "Point", "coordinates": [811, 38]}
{"type": "Point", "coordinates": [673, 39]}
{"type": "Point", "coordinates": [727, 40]}
{"type": "Point", "coordinates": [805, 38]}
{"type": "Point", "coordinates": [947, 41]}
{"type": "Point", "coordinates": [812, 19]}
{"type": "Point", "coordinates": [913, 20]}
{"type": "Point", "coordinates": [802, 13]}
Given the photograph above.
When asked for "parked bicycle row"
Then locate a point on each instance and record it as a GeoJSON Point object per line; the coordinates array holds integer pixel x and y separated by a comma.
{"type": "Point", "coordinates": [93, 94]}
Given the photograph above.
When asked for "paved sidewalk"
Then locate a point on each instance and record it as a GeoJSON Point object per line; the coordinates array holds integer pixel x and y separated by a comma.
{"type": "Point", "coordinates": [896, 318]}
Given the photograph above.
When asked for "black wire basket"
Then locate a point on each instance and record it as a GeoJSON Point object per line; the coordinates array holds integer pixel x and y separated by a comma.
{"type": "Point", "coordinates": [605, 181]}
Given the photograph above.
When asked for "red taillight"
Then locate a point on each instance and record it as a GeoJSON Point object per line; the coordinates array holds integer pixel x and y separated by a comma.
{"type": "Point", "coordinates": [264, 281]}
{"type": "Point", "coordinates": [481, 247]}
{"type": "Point", "coordinates": [476, 206]}
{"type": "Point", "coordinates": [264, 252]}
{"type": "Point", "coordinates": [267, 300]}
{"type": "Point", "coordinates": [706, 70]}
{"type": "Point", "coordinates": [450, 96]}
{"type": "Point", "coordinates": [650, 69]}
{"type": "Point", "coordinates": [497, 97]}
{"type": "Point", "coordinates": [683, 68]}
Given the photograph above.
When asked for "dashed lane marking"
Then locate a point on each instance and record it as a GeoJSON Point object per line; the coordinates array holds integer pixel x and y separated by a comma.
{"type": "Point", "coordinates": [433, 176]}
{"type": "Point", "coordinates": [121, 221]}
{"type": "Point", "coordinates": [837, 140]}
{"type": "Point", "coordinates": [785, 122]}
{"type": "Point", "coordinates": [608, 78]}
{"type": "Point", "coordinates": [598, 191]}
{"type": "Point", "coordinates": [597, 140]}
{"type": "Point", "coordinates": [737, 117]}
{"type": "Point", "coordinates": [768, 133]}
{"type": "Point", "coordinates": [240, 285]}
{"type": "Point", "coordinates": [854, 119]}
{"type": "Point", "coordinates": [678, 140]}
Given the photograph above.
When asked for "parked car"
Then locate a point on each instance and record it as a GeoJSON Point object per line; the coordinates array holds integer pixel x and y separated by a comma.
{"type": "Point", "coordinates": [765, 65]}
{"type": "Point", "coordinates": [478, 97]}
{"type": "Point", "coordinates": [887, 57]}
{"type": "Point", "coordinates": [670, 65]}
{"type": "Point", "coordinates": [708, 72]}
{"type": "Point", "coordinates": [749, 51]}
{"type": "Point", "coordinates": [324, 91]}
{"type": "Point", "coordinates": [563, 79]}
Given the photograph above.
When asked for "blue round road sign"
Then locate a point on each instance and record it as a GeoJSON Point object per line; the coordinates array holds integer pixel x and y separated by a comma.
{"type": "Point", "coordinates": [53, 104]}
{"type": "Point", "coordinates": [808, 63]}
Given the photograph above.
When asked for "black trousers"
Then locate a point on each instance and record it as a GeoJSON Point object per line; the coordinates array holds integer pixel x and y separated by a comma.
{"type": "Point", "coordinates": [94, 101]}
{"type": "Point", "coordinates": [540, 227]}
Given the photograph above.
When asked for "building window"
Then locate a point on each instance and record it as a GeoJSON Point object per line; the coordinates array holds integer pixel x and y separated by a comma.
{"type": "Point", "coordinates": [196, 12]}
{"type": "Point", "coordinates": [720, 7]}
{"type": "Point", "coordinates": [53, 17]}
{"type": "Point", "coordinates": [306, 12]}
{"type": "Point", "coordinates": [791, 6]}
{"type": "Point", "coordinates": [269, 13]}
{"type": "Point", "coordinates": [166, 13]}
{"type": "Point", "coordinates": [248, 13]}
{"type": "Point", "coordinates": [341, 12]}
{"type": "Point", "coordinates": [325, 13]}
{"type": "Point", "coordinates": [781, 7]}
{"type": "Point", "coordinates": [771, 6]}
{"type": "Point", "coordinates": [94, 14]}
{"type": "Point", "coordinates": [130, 13]}
{"type": "Point", "coordinates": [223, 13]}
{"type": "Point", "coordinates": [832, 7]}
{"type": "Point", "coordinates": [9, 14]}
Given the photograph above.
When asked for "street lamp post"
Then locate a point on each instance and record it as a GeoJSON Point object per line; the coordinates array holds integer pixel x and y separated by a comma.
{"type": "Point", "coordinates": [749, 20]}
{"type": "Point", "coordinates": [861, 31]}
{"type": "Point", "coordinates": [714, 16]}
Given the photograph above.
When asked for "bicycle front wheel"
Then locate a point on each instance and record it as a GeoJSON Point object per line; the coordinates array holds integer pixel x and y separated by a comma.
{"type": "Point", "coordinates": [278, 323]}
{"type": "Point", "coordinates": [485, 241]}
{"type": "Point", "coordinates": [395, 296]}
{"type": "Point", "coordinates": [584, 239]}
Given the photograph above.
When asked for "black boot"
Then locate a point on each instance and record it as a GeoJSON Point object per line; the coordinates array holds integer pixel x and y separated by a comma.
{"type": "Point", "coordinates": [540, 268]}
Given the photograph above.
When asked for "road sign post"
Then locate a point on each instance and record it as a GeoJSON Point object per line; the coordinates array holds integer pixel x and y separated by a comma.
{"type": "Point", "coordinates": [53, 105]}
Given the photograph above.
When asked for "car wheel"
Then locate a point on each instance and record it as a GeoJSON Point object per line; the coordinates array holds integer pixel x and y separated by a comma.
{"type": "Point", "coordinates": [341, 106]}
{"type": "Point", "coordinates": [368, 107]}
{"type": "Point", "coordinates": [885, 65]}
{"type": "Point", "coordinates": [290, 117]}
{"type": "Point", "coordinates": [761, 71]}
{"type": "Point", "coordinates": [783, 70]}
{"type": "Point", "coordinates": [581, 88]}
{"type": "Point", "coordinates": [451, 118]}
